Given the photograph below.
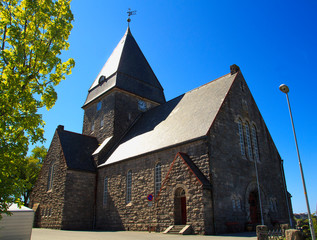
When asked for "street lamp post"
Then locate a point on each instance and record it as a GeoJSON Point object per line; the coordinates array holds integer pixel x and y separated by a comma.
{"type": "Point", "coordinates": [285, 90]}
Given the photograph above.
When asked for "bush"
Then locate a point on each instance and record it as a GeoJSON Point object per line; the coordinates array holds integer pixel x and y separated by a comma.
{"type": "Point", "coordinates": [303, 225]}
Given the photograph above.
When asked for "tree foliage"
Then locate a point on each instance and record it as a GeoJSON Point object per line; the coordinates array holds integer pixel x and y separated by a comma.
{"type": "Point", "coordinates": [30, 171]}
{"type": "Point", "coordinates": [33, 33]}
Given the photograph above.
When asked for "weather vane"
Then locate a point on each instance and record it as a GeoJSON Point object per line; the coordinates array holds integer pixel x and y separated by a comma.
{"type": "Point", "coordinates": [129, 12]}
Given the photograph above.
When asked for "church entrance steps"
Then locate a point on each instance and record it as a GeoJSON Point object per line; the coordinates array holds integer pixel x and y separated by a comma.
{"type": "Point", "coordinates": [179, 229]}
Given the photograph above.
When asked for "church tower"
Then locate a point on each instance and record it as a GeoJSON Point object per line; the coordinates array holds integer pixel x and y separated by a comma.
{"type": "Point", "coordinates": [125, 88]}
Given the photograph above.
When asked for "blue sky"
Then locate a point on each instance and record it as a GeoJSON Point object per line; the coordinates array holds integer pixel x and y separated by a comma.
{"type": "Point", "coordinates": [191, 42]}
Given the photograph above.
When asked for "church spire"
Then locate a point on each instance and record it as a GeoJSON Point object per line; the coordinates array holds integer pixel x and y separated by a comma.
{"type": "Point", "coordinates": [127, 69]}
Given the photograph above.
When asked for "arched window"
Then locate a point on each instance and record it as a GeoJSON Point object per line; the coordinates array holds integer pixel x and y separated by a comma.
{"type": "Point", "coordinates": [241, 138]}
{"type": "Point", "coordinates": [50, 177]}
{"type": "Point", "coordinates": [238, 204]}
{"type": "Point", "coordinates": [158, 178]}
{"type": "Point", "coordinates": [247, 133]}
{"type": "Point", "coordinates": [234, 204]}
{"type": "Point", "coordinates": [129, 186]}
{"type": "Point", "coordinates": [105, 191]}
{"type": "Point", "coordinates": [255, 144]}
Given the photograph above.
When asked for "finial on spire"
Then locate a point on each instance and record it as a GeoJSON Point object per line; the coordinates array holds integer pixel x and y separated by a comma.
{"type": "Point", "coordinates": [129, 12]}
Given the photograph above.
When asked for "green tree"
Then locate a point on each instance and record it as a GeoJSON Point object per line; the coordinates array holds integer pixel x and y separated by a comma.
{"type": "Point", "coordinates": [30, 171]}
{"type": "Point", "coordinates": [33, 33]}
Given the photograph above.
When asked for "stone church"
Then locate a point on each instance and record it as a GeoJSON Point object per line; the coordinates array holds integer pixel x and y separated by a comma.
{"type": "Point", "coordinates": [206, 157]}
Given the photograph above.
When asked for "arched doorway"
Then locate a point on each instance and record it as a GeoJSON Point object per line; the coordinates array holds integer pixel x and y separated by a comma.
{"type": "Point", "coordinates": [180, 215]}
{"type": "Point", "coordinates": [254, 207]}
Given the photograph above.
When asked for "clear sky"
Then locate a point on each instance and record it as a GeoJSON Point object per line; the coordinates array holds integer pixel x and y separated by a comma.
{"type": "Point", "coordinates": [191, 42]}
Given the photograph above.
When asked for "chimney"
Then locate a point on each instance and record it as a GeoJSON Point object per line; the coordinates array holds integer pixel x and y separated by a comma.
{"type": "Point", "coordinates": [60, 128]}
{"type": "Point", "coordinates": [234, 69]}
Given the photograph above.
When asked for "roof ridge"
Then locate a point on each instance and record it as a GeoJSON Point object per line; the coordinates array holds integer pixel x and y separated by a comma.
{"type": "Point", "coordinates": [212, 81]}
{"type": "Point", "coordinates": [80, 134]}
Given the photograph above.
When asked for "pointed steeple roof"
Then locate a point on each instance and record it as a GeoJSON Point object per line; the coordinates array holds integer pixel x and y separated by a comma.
{"type": "Point", "coordinates": [127, 69]}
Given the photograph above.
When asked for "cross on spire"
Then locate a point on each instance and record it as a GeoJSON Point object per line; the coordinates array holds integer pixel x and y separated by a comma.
{"type": "Point", "coordinates": [129, 12]}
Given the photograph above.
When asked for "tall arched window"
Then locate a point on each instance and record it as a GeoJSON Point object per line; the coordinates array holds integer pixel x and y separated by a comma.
{"type": "Point", "coordinates": [255, 144]}
{"type": "Point", "coordinates": [129, 186]}
{"type": "Point", "coordinates": [50, 177]}
{"type": "Point", "coordinates": [105, 191]}
{"type": "Point", "coordinates": [241, 137]}
{"type": "Point", "coordinates": [158, 178]}
{"type": "Point", "coordinates": [247, 133]}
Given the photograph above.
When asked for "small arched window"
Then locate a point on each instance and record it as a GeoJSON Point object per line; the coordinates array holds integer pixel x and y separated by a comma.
{"type": "Point", "coordinates": [51, 177]}
{"type": "Point", "coordinates": [241, 138]}
{"type": "Point", "coordinates": [158, 179]}
{"type": "Point", "coordinates": [247, 133]}
{"type": "Point", "coordinates": [129, 186]}
{"type": "Point", "coordinates": [255, 144]}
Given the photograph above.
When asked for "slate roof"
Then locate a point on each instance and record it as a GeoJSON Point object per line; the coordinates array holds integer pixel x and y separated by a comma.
{"type": "Point", "coordinates": [182, 119]}
{"type": "Point", "coordinates": [127, 69]}
{"type": "Point", "coordinates": [77, 149]}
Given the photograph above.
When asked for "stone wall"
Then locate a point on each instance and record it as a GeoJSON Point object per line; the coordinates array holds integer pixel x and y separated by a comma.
{"type": "Point", "coordinates": [198, 200]}
{"type": "Point", "coordinates": [106, 113]}
{"type": "Point", "coordinates": [50, 203]}
{"type": "Point", "coordinates": [234, 175]}
{"type": "Point", "coordinates": [118, 111]}
{"type": "Point", "coordinates": [80, 200]}
{"type": "Point", "coordinates": [118, 214]}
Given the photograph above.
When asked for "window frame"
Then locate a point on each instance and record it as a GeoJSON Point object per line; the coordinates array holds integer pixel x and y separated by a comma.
{"type": "Point", "coordinates": [241, 137]}
{"type": "Point", "coordinates": [50, 180]}
{"type": "Point", "coordinates": [129, 187]}
{"type": "Point", "coordinates": [157, 178]}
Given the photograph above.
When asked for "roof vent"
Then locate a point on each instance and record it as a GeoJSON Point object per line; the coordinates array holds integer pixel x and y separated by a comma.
{"type": "Point", "coordinates": [60, 128]}
{"type": "Point", "coordinates": [234, 69]}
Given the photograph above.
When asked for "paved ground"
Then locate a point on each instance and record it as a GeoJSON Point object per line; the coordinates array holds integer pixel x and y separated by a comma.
{"type": "Point", "coordinates": [49, 234]}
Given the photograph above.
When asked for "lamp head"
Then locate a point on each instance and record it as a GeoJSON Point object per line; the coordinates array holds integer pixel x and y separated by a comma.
{"type": "Point", "coordinates": [284, 88]}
